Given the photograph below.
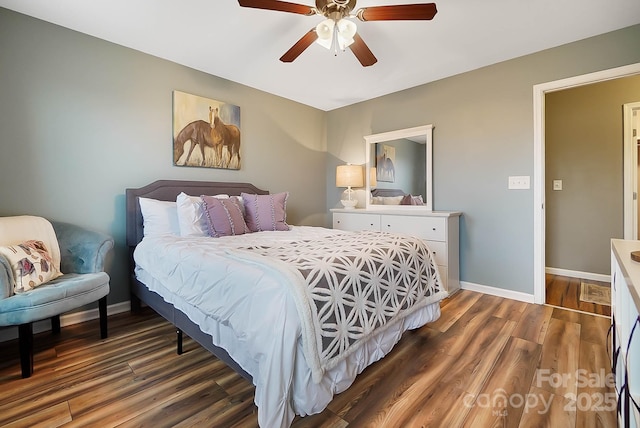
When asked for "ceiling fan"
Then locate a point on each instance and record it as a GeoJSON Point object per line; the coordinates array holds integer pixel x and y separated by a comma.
{"type": "Point", "coordinates": [338, 31]}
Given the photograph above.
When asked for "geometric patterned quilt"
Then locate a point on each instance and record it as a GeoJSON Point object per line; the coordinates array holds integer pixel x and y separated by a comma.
{"type": "Point", "coordinates": [349, 286]}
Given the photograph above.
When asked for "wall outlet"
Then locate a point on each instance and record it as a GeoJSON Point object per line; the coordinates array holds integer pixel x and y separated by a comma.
{"type": "Point", "coordinates": [519, 182]}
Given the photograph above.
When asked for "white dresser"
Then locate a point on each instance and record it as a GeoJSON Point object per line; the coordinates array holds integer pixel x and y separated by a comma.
{"type": "Point", "coordinates": [625, 303]}
{"type": "Point", "coordinates": [441, 230]}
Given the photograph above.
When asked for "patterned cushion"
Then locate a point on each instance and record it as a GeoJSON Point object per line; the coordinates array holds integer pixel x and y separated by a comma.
{"type": "Point", "coordinates": [224, 216]}
{"type": "Point", "coordinates": [31, 265]}
{"type": "Point", "coordinates": [266, 212]}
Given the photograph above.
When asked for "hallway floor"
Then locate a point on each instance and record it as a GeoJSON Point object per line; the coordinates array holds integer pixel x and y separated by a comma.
{"type": "Point", "coordinates": [564, 292]}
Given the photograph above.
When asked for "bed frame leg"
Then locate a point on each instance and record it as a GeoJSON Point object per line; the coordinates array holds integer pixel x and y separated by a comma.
{"type": "Point", "coordinates": [179, 342]}
{"type": "Point", "coordinates": [136, 305]}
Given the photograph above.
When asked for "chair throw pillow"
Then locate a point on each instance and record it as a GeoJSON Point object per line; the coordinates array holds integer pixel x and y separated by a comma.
{"type": "Point", "coordinates": [224, 216]}
{"type": "Point", "coordinates": [31, 265]}
{"type": "Point", "coordinates": [266, 212]}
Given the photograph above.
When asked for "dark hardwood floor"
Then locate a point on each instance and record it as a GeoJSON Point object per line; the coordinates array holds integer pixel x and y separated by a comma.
{"type": "Point", "coordinates": [564, 291]}
{"type": "Point", "coordinates": [487, 362]}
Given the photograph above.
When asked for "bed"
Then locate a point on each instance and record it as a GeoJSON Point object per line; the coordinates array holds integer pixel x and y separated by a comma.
{"type": "Point", "coordinates": [245, 299]}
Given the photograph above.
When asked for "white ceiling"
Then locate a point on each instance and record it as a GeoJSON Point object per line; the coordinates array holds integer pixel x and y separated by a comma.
{"type": "Point", "coordinates": [244, 45]}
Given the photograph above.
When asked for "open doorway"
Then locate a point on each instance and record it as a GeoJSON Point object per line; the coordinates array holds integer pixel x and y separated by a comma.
{"type": "Point", "coordinates": [540, 188]}
{"type": "Point", "coordinates": [584, 190]}
{"type": "Point", "coordinates": [631, 114]}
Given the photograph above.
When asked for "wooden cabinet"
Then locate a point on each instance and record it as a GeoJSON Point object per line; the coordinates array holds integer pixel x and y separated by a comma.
{"type": "Point", "coordinates": [625, 302]}
{"type": "Point", "coordinates": [440, 229]}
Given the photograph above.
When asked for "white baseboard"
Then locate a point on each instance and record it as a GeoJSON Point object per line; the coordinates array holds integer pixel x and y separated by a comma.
{"type": "Point", "coordinates": [578, 274]}
{"type": "Point", "coordinates": [10, 333]}
{"type": "Point", "coordinates": [500, 292]}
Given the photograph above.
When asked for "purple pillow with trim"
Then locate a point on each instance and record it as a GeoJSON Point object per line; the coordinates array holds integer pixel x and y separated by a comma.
{"type": "Point", "coordinates": [224, 216]}
{"type": "Point", "coordinates": [412, 200]}
{"type": "Point", "coordinates": [266, 212]}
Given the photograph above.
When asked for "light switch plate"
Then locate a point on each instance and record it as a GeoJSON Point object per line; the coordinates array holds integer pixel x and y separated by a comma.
{"type": "Point", "coordinates": [519, 182]}
{"type": "Point", "coordinates": [557, 184]}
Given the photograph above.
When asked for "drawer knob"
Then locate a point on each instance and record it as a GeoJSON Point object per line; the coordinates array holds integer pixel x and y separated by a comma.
{"type": "Point", "coordinates": [434, 228]}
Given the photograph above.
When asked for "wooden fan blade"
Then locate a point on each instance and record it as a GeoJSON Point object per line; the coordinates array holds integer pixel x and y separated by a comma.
{"type": "Point", "coordinates": [362, 51]}
{"type": "Point", "coordinates": [300, 46]}
{"type": "Point", "coordinates": [281, 6]}
{"type": "Point", "coordinates": [398, 12]}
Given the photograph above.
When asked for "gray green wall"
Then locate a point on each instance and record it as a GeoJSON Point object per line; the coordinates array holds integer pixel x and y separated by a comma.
{"type": "Point", "coordinates": [483, 133]}
{"type": "Point", "coordinates": [82, 119]}
{"type": "Point", "coordinates": [584, 149]}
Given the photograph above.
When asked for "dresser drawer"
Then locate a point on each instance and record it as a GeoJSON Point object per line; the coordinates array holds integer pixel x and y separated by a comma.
{"type": "Point", "coordinates": [439, 250]}
{"type": "Point", "coordinates": [356, 222]}
{"type": "Point", "coordinates": [429, 228]}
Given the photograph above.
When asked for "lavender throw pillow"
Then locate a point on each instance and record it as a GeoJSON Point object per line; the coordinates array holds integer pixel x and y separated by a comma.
{"type": "Point", "coordinates": [412, 200]}
{"type": "Point", "coordinates": [266, 212]}
{"type": "Point", "coordinates": [224, 216]}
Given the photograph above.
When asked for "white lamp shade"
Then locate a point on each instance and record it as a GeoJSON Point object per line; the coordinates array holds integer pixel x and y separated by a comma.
{"type": "Point", "coordinates": [324, 30]}
{"type": "Point", "coordinates": [346, 31]}
{"type": "Point", "coordinates": [347, 28]}
{"type": "Point", "coordinates": [349, 176]}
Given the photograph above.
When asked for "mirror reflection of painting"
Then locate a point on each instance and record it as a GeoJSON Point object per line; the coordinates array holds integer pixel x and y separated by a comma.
{"type": "Point", "coordinates": [400, 166]}
{"type": "Point", "coordinates": [385, 163]}
{"type": "Point", "coordinates": [403, 163]}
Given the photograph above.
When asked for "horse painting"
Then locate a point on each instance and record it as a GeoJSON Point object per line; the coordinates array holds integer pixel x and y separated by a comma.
{"type": "Point", "coordinates": [199, 133]}
{"type": "Point", "coordinates": [385, 170]}
{"type": "Point", "coordinates": [213, 134]}
{"type": "Point", "coordinates": [224, 135]}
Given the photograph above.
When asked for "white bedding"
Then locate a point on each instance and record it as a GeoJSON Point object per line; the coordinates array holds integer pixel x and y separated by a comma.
{"type": "Point", "coordinates": [248, 312]}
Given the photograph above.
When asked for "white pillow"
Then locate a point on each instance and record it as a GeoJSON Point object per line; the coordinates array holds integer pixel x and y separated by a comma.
{"type": "Point", "coordinates": [387, 200]}
{"type": "Point", "coordinates": [392, 200]}
{"type": "Point", "coordinates": [159, 217]}
{"type": "Point", "coordinates": [192, 220]}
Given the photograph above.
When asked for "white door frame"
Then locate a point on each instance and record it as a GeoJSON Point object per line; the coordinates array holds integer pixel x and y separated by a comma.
{"type": "Point", "coordinates": [630, 173]}
{"type": "Point", "coordinates": [539, 92]}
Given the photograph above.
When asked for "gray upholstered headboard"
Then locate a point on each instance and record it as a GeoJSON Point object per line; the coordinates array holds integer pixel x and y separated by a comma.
{"type": "Point", "coordinates": [168, 190]}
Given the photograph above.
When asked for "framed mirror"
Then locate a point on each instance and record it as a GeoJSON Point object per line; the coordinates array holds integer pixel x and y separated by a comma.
{"type": "Point", "coordinates": [399, 166]}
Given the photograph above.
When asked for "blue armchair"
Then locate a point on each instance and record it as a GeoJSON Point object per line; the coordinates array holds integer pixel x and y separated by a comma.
{"type": "Point", "coordinates": [81, 254]}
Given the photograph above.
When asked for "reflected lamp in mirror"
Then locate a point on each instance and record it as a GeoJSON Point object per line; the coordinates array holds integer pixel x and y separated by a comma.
{"type": "Point", "coordinates": [373, 182]}
{"type": "Point", "coordinates": [349, 176]}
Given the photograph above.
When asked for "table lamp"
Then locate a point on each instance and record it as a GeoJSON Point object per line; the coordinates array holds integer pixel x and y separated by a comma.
{"type": "Point", "coordinates": [349, 176]}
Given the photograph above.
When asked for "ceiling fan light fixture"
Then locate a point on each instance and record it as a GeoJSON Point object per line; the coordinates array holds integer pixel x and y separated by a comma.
{"type": "Point", "coordinates": [336, 35]}
{"type": "Point", "coordinates": [337, 31]}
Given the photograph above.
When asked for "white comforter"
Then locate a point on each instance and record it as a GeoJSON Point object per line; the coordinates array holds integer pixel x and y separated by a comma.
{"type": "Point", "coordinates": [247, 311]}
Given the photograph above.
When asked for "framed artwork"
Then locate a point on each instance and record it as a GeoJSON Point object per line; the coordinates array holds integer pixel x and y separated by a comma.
{"type": "Point", "coordinates": [206, 132]}
{"type": "Point", "coordinates": [385, 163]}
